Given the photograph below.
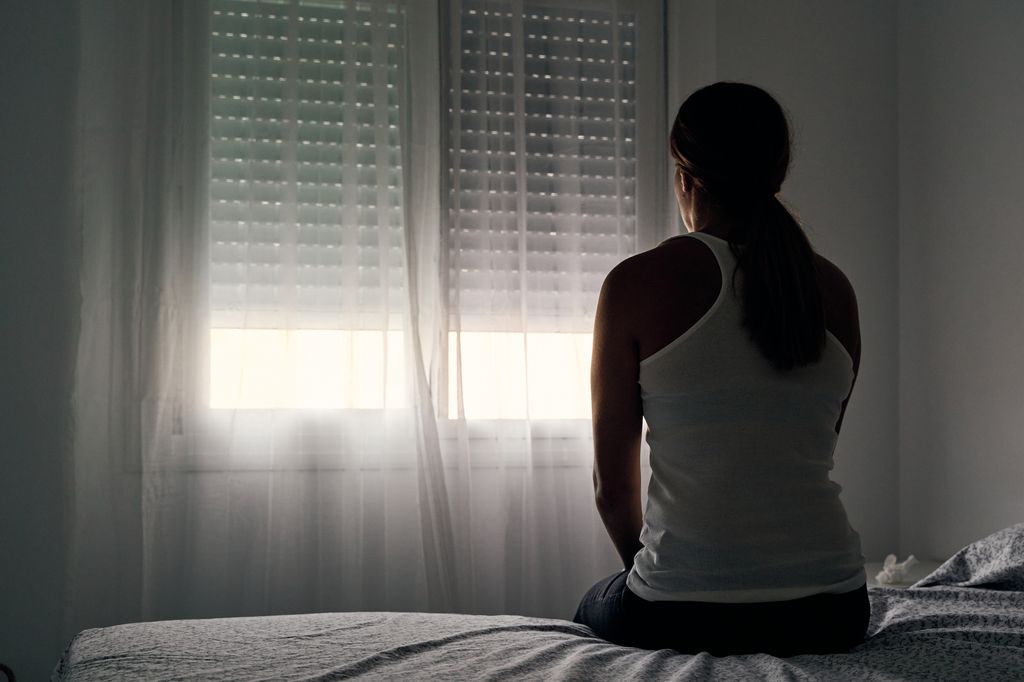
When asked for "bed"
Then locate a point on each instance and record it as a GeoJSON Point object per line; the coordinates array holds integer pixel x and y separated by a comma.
{"type": "Point", "coordinates": [965, 621]}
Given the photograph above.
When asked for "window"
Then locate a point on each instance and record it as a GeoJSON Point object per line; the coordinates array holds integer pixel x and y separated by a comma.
{"type": "Point", "coordinates": [306, 257]}
{"type": "Point", "coordinates": [542, 176]}
{"type": "Point", "coordinates": [307, 273]}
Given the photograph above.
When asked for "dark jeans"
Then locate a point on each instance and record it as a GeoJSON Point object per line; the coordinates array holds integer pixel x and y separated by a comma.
{"type": "Point", "coordinates": [819, 624]}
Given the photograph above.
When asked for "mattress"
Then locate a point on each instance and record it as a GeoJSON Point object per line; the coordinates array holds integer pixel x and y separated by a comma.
{"type": "Point", "coordinates": [964, 621]}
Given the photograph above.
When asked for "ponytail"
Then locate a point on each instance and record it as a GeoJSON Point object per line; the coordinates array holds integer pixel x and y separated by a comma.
{"type": "Point", "coordinates": [732, 140]}
{"type": "Point", "coordinates": [783, 310]}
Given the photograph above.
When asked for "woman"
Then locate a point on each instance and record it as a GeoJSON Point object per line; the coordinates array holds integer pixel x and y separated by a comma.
{"type": "Point", "coordinates": [740, 347]}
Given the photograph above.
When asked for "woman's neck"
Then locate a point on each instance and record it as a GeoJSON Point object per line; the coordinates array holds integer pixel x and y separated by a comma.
{"type": "Point", "coordinates": [717, 221]}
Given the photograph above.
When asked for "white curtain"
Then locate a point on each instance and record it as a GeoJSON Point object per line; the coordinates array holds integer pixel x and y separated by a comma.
{"type": "Point", "coordinates": [340, 265]}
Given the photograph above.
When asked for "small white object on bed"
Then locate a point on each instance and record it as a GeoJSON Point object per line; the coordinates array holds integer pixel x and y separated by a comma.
{"type": "Point", "coordinates": [891, 573]}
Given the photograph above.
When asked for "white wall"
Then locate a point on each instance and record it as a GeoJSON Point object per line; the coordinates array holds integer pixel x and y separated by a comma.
{"type": "Point", "coordinates": [961, 161]}
{"type": "Point", "coordinates": [833, 67]}
{"type": "Point", "coordinates": [38, 300]}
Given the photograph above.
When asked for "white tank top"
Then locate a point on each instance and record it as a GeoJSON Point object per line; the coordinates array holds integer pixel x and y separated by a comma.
{"type": "Point", "coordinates": [740, 507]}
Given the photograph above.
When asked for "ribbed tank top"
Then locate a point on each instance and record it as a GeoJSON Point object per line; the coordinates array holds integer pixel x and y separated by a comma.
{"type": "Point", "coordinates": [740, 506]}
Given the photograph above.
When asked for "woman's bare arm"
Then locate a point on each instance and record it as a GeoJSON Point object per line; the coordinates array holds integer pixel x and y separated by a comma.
{"type": "Point", "coordinates": [617, 415]}
{"type": "Point", "coordinates": [842, 318]}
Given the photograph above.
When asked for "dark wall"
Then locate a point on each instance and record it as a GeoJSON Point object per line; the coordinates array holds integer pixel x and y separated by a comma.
{"type": "Point", "coordinates": [961, 271]}
{"type": "Point", "coordinates": [38, 324]}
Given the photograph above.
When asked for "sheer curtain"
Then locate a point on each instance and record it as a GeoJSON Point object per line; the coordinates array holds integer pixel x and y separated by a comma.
{"type": "Point", "coordinates": [542, 195]}
{"type": "Point", "coordinates": [340, 266]}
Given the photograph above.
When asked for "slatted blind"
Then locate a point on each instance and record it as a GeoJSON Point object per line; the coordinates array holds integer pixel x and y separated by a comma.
{"type": "Point", "coordinates": [306, 175]}
{"type": "Point", "coordinates": [542, 160]}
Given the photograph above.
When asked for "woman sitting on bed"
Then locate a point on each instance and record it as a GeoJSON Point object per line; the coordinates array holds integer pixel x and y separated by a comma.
{"type": "Point", "coordinates": [739, 346]}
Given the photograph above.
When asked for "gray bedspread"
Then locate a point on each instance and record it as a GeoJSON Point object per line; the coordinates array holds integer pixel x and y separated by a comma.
{"type": "Point", "coordinates": [941, 632]}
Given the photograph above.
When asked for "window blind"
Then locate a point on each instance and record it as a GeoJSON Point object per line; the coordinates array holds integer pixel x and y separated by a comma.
{"type": "Point", "coordinates": [306, 176]}
{"type": "Point", "coordinates": [542, 160]}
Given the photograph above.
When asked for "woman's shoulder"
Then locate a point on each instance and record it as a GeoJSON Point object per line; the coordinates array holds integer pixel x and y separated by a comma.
{"type": "Point", "coordinates": [842, 317]}
{"type": "Point", "coordinates": [677, 255]}
{"type": "Point", "coordinates": [661, 292]}
{"type": "Point", "coordinates": [836, 285]}
{"type": "Point", "coordinates": [673, 263]}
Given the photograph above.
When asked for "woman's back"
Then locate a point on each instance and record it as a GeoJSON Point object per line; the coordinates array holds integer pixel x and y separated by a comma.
{"type": "Point", "coordinates": [741, 356]}
{"type": "Point", "coordinates": [740, 505]}
{"type": "Point", "coordinates": [687, 278]}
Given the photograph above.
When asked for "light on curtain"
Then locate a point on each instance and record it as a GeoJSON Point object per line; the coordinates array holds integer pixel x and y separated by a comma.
{"type": "Point", "coordinates": [337, 303]}
{"type": "Point", "coordinates": [541, 162]}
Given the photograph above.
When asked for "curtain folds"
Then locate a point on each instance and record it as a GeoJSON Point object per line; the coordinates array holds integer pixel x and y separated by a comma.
{"type": "Point", "coordinates": [338, 276]}
{"type": "Point", "coordinates": [140, 160]}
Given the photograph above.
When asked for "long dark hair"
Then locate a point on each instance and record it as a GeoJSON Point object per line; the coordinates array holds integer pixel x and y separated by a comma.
{"type": "Point", "coordinates": [732, 140]}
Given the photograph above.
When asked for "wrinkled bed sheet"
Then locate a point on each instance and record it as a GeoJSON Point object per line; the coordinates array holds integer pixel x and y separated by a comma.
{"type": "Point", "coordinates": [965, 621]}
{"type": "Point", "coordinates": [945, 633]}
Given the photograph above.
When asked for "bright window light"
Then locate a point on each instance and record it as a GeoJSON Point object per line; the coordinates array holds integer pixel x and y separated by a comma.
{"type": "Point", "coordinates": [503, 373]}
{"type": "Point", "coordinates": [509, 375]}
{"type": "Point", "coordinates": [306, 369]}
